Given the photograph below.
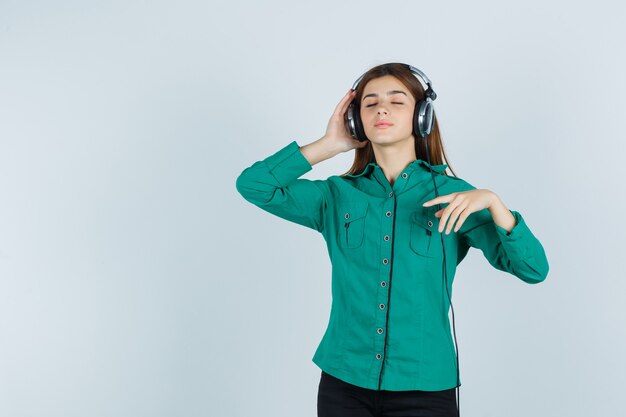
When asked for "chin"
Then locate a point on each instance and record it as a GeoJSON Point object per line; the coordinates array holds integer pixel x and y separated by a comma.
{"type": "Point", "coordinates": [384, 138]}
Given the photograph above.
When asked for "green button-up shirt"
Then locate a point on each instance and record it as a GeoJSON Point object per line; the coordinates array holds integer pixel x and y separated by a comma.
{"type": "Point", "coordinates": [388, 327]}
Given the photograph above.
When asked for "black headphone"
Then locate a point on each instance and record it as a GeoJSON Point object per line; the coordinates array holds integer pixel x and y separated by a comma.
{"type": "Point", "coordinates": [423, 115]}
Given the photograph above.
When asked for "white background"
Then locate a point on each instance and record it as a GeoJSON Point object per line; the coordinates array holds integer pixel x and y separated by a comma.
{"type": "Point", "coordinates": [136, 281]}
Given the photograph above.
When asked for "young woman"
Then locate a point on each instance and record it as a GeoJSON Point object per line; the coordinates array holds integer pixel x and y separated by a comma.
{"type": "Point", "coordinates": [396, 227]}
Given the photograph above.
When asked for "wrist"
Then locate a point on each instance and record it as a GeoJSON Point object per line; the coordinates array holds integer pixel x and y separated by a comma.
{"type": "Point", "coordinates": [317, 151]}
{"type": "Point", "coordinates": [329, 147]}
{"type": "Point", "coordinates": [494, 200]}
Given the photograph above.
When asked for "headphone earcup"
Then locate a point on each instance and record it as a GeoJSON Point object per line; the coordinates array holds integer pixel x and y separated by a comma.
{"type": "Point", "coordinates": [354, 123]}
{"type": "Point", "coordinates": [423, 118]}
{"type": "Point", "coordinates": [359, 127]}
{"type": "Point", "coordinates": [350, 120]}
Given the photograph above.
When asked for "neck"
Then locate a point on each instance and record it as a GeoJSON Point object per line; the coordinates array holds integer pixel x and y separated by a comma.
{"type": "Point", "coordinates": [393, 158]}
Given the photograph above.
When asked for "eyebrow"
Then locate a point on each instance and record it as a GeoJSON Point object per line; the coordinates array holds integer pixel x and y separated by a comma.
{"type": "Point", "coordinates": [389, 93]}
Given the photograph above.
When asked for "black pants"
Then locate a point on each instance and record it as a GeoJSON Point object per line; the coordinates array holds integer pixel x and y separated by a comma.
{"type": "Point", "coordinates": [337, 398]}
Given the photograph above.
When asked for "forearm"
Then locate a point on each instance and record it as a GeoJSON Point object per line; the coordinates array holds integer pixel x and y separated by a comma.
{"type": "Point", "coordinates": [273, 184]}
{"type": "Point", "coordinates": [319, 150]}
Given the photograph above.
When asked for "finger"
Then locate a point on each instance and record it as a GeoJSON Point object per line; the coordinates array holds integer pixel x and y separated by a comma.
{"type": "Point", "coordinates": [348, 99]}
{"type": "Point", "coordinates": [342, 102]}
{"type": "Point", "coordinates": [431, 202]}
{"type": "Point", "coordinates": [461, 220]}
{"type": "Point", "coordinates": [454, 216]}
{"type": "Point", "coordinates": [441, 199]}
{"type": "Point", "coordinates": [444, 216]}
{"type": "Point", "coordinates": [438, 213]}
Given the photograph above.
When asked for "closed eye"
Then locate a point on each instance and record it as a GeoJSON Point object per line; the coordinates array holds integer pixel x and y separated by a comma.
{"type": "Point", "coordinates": [370, 105]}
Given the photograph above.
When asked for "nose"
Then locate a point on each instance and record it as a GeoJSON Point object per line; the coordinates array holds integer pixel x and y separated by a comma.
{"type": "Point", "coordinates": [382, 111]}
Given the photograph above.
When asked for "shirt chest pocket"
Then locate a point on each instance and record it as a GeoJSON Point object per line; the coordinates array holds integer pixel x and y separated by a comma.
{"type": "Point", "coordinates": [352, 224]}
{"type": "Point", "coordinates": [423, 235]}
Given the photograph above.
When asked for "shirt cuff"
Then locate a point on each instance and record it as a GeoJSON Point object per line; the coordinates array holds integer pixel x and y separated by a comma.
{"type": "Point", "coordinates": [288, 163]}
{"type": "Point", "coordinates": [514, 242]}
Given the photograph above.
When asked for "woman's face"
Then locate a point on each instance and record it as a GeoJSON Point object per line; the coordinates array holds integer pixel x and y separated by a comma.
{"type": "Point", "coordinates": [387, 99]}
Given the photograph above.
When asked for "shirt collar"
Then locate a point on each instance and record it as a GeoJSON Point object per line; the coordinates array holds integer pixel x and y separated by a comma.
{"type": "Point", "coordinates": [412, 166]}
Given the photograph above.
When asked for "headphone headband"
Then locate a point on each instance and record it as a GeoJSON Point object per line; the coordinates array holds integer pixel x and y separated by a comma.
{"type": "Point", "coordinates": [426, 84]}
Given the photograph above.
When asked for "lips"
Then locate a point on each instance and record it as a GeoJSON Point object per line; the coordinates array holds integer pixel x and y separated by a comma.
{"type": "Point", "coordinates": [383, 124]}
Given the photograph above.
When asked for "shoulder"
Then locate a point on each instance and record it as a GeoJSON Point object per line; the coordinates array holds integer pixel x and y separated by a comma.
{"type": "Point", "coordinates": [456, 184]}
{"type": "Point", "coordinates": [338, 180]}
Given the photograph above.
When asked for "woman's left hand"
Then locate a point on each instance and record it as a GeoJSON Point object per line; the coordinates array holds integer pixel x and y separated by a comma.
{"type": "Point", "coordinates": [462, 204]}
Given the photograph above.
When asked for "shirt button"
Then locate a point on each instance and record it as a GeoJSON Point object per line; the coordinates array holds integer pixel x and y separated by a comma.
{"type": "Point", "coordinates": [388, 214]}
{"type": "Point", "coordinates": [430, 223]}
{"type": "Point", "coordinates": [391, 194]}
{"type": "Point", "coordinates": [380, 331]}
{"type": "Point", "coordinates": [386, 237]}
{"type": "Point", "coordinates": [383, 284]}
{"type": "Point", "coordinates": [385, 261]}
{"type": "Point", "coordinates": [404, 175]}
{"type": "Point", "coordinates": [381, 306]}
{"type": "Point", "coordinates": [347, 215]}
{"type": "Point", "coordinates": [378, 356]}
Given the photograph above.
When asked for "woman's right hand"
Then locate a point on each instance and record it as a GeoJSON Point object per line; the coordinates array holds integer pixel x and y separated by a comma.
{"type": "Point", "coordinates": [337, 134]}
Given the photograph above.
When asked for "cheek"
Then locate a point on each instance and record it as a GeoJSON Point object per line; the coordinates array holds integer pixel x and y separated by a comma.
{"type": "Point", "coordinates": [405, 117]}
{"type": "Point", "coordinates": [366, 114]}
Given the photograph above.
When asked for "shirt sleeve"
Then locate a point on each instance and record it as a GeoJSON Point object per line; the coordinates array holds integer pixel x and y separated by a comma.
{"type": "Point", "coordinates": [518, 252]}
{"type": "Point", "coordinates": [273, 184]}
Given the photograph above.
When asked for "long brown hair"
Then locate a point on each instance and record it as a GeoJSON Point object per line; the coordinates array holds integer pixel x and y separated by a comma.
{"type": "Point", "coordinates": [365, 155]}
